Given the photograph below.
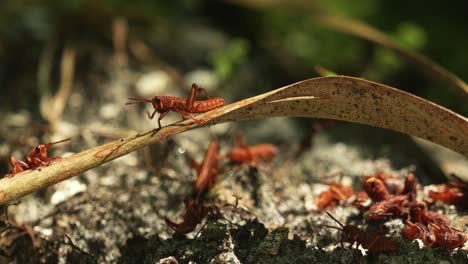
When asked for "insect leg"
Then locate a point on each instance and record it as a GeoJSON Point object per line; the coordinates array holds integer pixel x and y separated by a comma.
{"type": "Point", "coordinates": [39, 162]}
{"type": "Point", "coordinates": [184, 113]}
{"type": "Point", "coordinates": [355, 239]}
{"type": "Point", "coordinates": [172, 225]}
{"type": "Point", "coordinates": [18, 166]}
{"type": "Point", "coordinates": [194, 119]}
{"type": "Point", "coordinates": [22, 165]}
{"type": "Point", "coordinates": [376, 238]}
{"type": "Point", "coordinates": [202, 90]}
{"type": "Point", "coordinates": [161, 117]}
{"type": "Point", "coordinates": [12, 161]}
{"type": "Point", "coordinates": [151, 116]}
{"type": "Point", "coordinates": [196, 166]}
{"type": "Point", "coordinates": [191, 98]}
{"type": "Point", "coordinates": [201, 228]}
{"type": "Point", "coordinates": [194, 92]}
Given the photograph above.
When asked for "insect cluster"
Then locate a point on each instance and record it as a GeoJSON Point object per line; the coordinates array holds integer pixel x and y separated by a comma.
{"type": "Point", "coordinates": [386, 197]}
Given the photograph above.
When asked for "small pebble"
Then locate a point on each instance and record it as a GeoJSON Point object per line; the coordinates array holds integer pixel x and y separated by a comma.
{"type": "Point", "coordinates": [67, 189]}
{"type": "Point", "coordinates": [109, 111]}
{"type": "Point", "coordinates": [153, 83]}
{"type": "Point", "coordinates": [17, 119]}
{"type": "Point", "coordinates": [204, 78]}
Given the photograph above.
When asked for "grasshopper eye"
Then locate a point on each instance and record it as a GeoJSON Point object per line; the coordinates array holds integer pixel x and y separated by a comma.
{"type": "Point", "coordinates": [37, 150]}
{"type": "Point", "coordinates": [155, 101]}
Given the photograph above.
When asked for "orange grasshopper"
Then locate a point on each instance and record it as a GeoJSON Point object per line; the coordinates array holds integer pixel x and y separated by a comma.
{"type": "Point", "coordinates": [251, 154]}
{"type": "Point", "coordinates": [183, 106]}
{"type": "Point", "coordinates": [207, 170]}
{"type": "Point", "coordinates": [37, 157]}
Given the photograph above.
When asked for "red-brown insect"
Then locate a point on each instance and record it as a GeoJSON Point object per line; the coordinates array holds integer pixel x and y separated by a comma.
{"type": "Point", "coordinates": [448, 237]}
{"type": "Point", "coordinates": [361, 200]}
{"type": "Point", "coordinates": [17, 166]}
{"type": "Point", "coordinates": [331, 197]}
{"type": "Point", "coordinates": [252, 154]}
{"type": "Point", "coordinates": [414, 231]}
{"type": "Point", "coordinates": [376, 189]}
{"type": "Point", "coordinates": [374, 243]}
{"type": "Point", "coordinates": [394, 206]}
{"type": "Point", "coordinates": [194, 215]}
{"type": "Point", "coordinates": [455, 192]}
{"type": "Point", "coordinates": [185, 107]}
{"type": "Point", "coordinates": [449, 195]}
{"type": "Point", "coordinates": [208, 169]}
{"type": "Point", "coordinates": [36, 158]}
{"type": "Point", "coordinates": [411, 184]}
{"type": "Point", "coordinates": [393, 183]}
{"type": "Point", "coordinates": [410, 189]}
{"type": "Point", "coordinates": [336, 192]}
{"type": "Point", "coordinates": [420, 214]}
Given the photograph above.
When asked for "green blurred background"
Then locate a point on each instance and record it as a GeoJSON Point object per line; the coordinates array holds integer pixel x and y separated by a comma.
{"type": "Point", "coordinates": [252, 46]}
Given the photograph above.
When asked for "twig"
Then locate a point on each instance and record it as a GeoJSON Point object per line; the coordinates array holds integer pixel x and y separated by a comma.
{"type": "Point", "coordinates": [43, 73]}
{"type": "Point", "coordinates": [52, 109]}
{"type": "Point", "coordinates": [71, 244]}
{"type": "Point", "coordinates": [119, 39]}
